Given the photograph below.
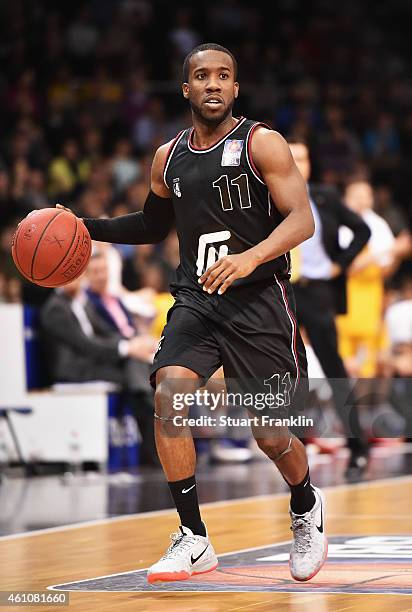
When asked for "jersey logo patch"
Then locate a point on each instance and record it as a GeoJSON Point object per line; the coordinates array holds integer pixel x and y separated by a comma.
{"type": "Point", "coordinates": [232, 152]}
{"type": "Point", "coordinates": [207, 254]}
{"type": "Point", "coordinates": [176, 187]}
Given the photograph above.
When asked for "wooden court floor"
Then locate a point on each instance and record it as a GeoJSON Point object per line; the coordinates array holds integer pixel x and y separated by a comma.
{"type": "Point", "coordinates": [62, 555]}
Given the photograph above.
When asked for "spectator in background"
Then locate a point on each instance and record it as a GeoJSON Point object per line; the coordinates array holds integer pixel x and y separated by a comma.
{"type": "Point", "coordinates": [61, 94]}
{"type": "Point", "coordinates": [3, 288]}
{"type": "Point", "coordinates": [14, 290]}
{"type": "Point", "coordinates": [125, 169]}
{"type": "Point", "coordinates": [110, 305]}
{"type": "Point", "coordinates": [134, 266]}
{"type": "Point", "coordinates": [360, 330]}
{"type": "Point", "coordinates": [19, 149]}
{"type": "Point", "coordinates": [10, 290]}
{"type": "Point", "coordinates": [112, 310]}
{"type": "Point", "coordinates": [125, 250]}
{"type": "Point", "coordinates": [153, 277]}
{"type": "Point", "coordinates": [92, 142]}
{"type": "Point", "coordinates": [398, 319]}
{"type": "Point", "coordinates": [68, 172]}
{"type": "Point", "coordinates": [105, 93]}
{"type": "Point", "coordinates": [20, 178]}
{"type": "Point", "coordinates": [82, 346]}
{"type": "Point", "coordinates": [7, 205]}
{"type": "Point", "coordinates": [136, 195]}
{"type": "Point", "coordinates": [22, 98]}
{"type": "Point", "coordinates": [28, 144]}
{"type": "Point", "coordinates": [82, 37]}
{"type": "Point", "coordinates": [35, 195]}
{"type": "Point", "coordinates": [183, 36]}
{"type": "Point", "coordinates": [6, 262]}
{"type": "Point", "coordinates": [388, 209]}
{"type": "Point", "coordinates": [136, 305]}
{"type": "Point", "coordinates": [319, 268]}
{"type": "Point", "coordinates": [136, 96]}
{"type": "Point", "coordinates": [114, 264]}
{"type": "Point", "coordinates": [338, 149]}
{"type": "Point", "coordinates": [162, 298]}
{"type": "Point", "coordinates": [381, 142]}
{"type": "Point", "coordinates": [88, 203]}
{"type": "Point", "coordinates": [148, 276]}
{"type": "Point", "coordinates": [151, 128]}
{"type": "Point", "coordinates": [94, 72]}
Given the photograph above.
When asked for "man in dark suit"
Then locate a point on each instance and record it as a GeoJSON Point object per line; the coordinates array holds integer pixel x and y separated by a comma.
{"type": "Point", "coordinates": [320, 292]}
{"type": "Point", "coordinates": [81, 346]}
{"type": "Point", "coordinates": [109, 305]}
{"type": "Point", "coordinates": [117, 317]}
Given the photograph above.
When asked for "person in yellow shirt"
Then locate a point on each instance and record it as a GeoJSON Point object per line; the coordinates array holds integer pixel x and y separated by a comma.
{"type": "Point", "coordinates": [319, 268]}
{"type": "Point", "coordinates": [361, 332]}
{"type": "Point", "coordinates": [67, 171]}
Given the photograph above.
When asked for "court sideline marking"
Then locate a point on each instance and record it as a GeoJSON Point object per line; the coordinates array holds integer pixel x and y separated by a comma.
{"type": "Point", "coordinates": [215, 504]}
{"type": "Point", "coordinates": [233, 552]}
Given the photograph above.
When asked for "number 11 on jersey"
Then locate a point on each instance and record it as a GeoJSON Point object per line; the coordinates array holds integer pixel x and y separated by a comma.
{"type": "Point", "coordinates": [242, 184]}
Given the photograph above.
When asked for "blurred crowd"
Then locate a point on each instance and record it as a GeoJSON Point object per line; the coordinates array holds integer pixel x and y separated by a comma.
{"type": "Point", "coordinates": [89, 90]}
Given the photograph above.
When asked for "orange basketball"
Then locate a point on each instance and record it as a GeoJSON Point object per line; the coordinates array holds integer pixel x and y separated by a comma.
{"type": "Point", "coordinates": [51, 247]}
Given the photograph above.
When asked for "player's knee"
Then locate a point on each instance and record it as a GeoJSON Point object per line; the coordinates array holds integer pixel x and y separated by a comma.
{"type": "Point", "coordinates": [175, 386]}
{"type": "Point", "coordinates": [172, 399]}
{"type": "Point", "coordinates": [164, 401]}
{"type": "Point", "coordinates": [273, 446]}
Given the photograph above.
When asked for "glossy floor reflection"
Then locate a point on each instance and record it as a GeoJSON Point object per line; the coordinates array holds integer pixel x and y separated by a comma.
{"type": "Point", "coordinates": [42, 502]}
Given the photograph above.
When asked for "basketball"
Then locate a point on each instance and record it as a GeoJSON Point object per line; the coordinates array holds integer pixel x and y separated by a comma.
{"type": "Point", "coordinates": [51, 247]}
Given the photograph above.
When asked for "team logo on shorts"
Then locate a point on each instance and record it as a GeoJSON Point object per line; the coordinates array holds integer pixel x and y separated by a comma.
{"type": "Point", "coordinates": [159, 345]}
{"type": "Point", "coordinates": [176, 187]}
{"type": "Point", "coordinates": [232, 152]}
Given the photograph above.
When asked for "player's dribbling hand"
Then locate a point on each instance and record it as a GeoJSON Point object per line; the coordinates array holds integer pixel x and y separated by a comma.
{"type": "Point", "coordinates": [57, 206]}
{"type": "Point", "coordinates": [226, 270]}
{"type": "Point", "coordinates": [64, 208]}
{"type": "Point", "coordinates": [67, 210]}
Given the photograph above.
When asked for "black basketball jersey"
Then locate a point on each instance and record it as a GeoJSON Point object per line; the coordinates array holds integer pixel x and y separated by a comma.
{"type": "Point", "coordinates": [221, 203]}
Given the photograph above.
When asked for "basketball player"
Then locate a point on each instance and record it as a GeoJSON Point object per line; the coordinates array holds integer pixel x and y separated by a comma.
{"type": "Point", "coordinates": [240, 204]}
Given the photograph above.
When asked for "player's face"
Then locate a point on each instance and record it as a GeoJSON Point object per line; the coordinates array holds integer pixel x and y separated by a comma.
{"type": "Point", "coordinates": [212, 88]}
{"type": "Point", "coordinates": [300, 155]}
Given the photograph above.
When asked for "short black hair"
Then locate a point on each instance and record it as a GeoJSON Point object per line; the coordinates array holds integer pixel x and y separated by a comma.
{"type": "Point", "coordinates": [206, 47]}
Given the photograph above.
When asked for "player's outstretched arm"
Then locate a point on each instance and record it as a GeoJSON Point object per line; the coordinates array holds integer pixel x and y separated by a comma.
{"type": "Point", "coordinates": [149, 226]}
{"type": "Point", "coordinates": [273, 159]}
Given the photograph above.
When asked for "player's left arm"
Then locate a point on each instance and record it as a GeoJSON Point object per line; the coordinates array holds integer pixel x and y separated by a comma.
{"type": "Point", "coordinates": [273, 159]}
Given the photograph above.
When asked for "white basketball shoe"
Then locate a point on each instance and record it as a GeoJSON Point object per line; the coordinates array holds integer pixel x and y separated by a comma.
{"type": "Point", "coordinates": [187, 555]}
{"type": "Point", "coordinates": [310, 546]}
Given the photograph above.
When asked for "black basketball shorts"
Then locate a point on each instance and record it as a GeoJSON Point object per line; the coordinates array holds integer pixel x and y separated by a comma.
{"type": "Point", "coordinates": [252, 332]}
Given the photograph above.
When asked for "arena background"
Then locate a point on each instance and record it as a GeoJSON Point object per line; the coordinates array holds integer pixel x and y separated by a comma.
{"type": "Point", "coordinates": [88, 91]}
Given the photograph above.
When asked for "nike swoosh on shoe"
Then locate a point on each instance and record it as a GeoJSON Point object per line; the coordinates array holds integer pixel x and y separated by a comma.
{"type": "Point", "coordinates": [193, 560]}
{"type": "Point", "coordinates": [320, 528]}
